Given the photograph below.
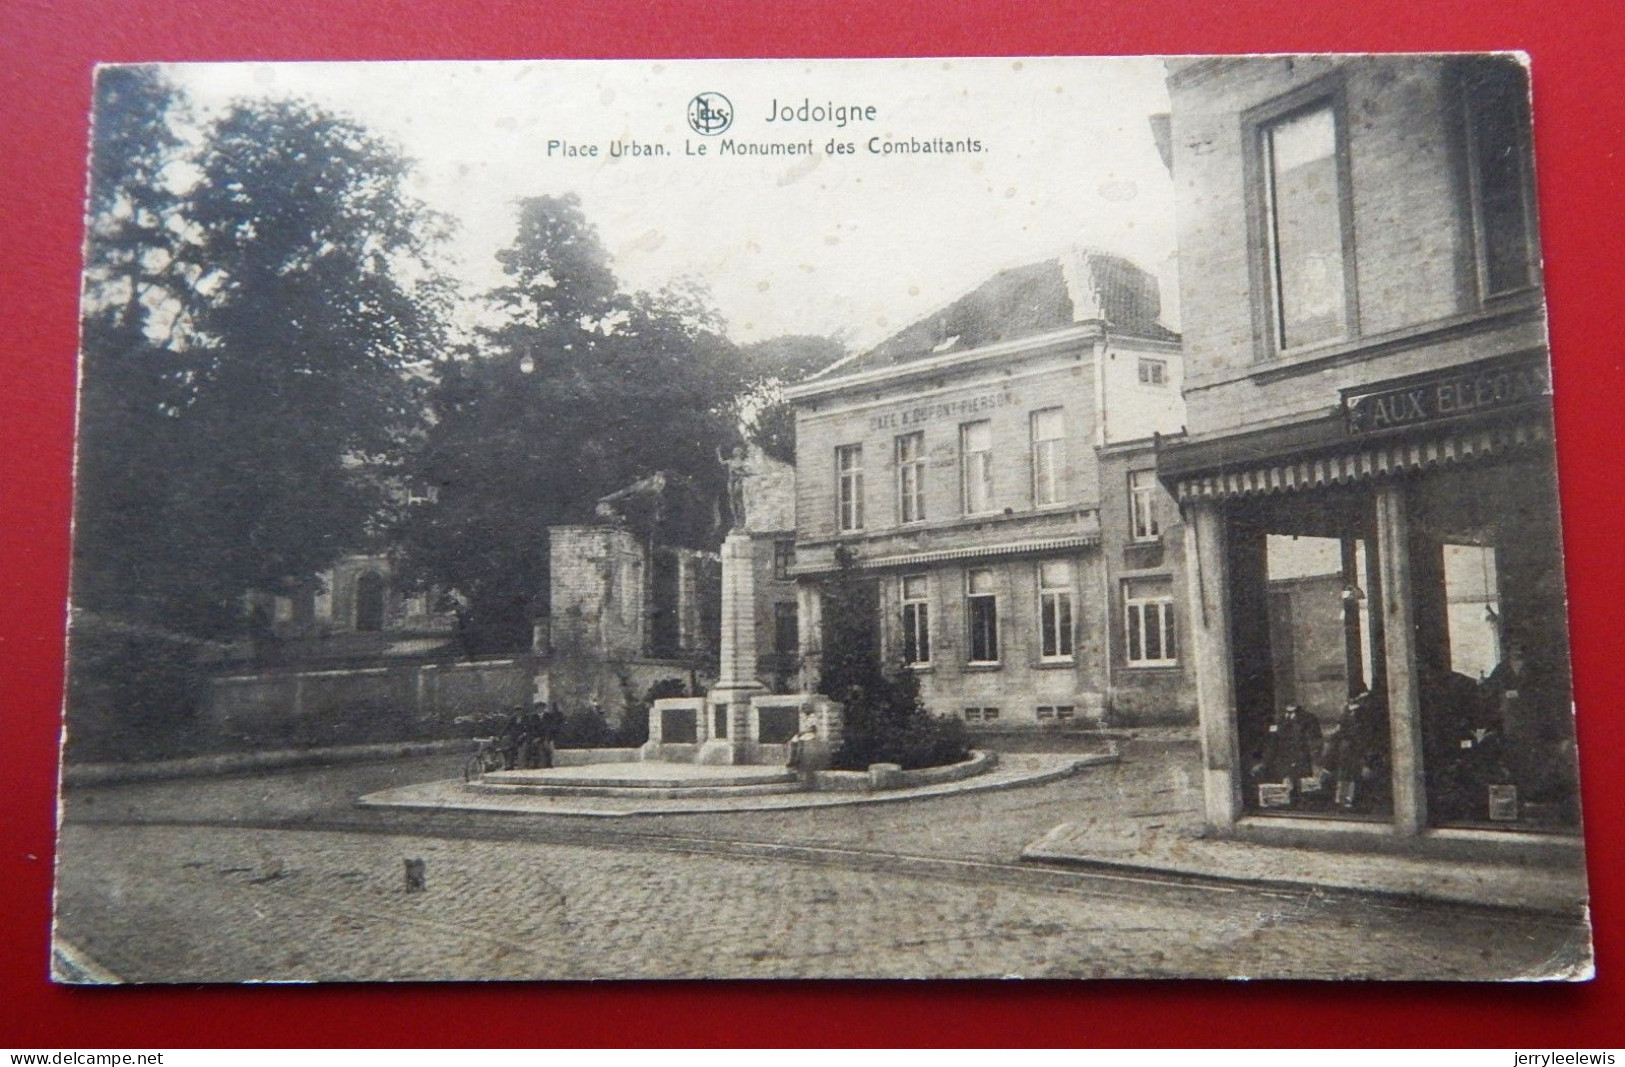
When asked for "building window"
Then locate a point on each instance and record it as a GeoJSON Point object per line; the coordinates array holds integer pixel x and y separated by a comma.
{"type": "Point", "coordinates": [1055, 609]}
{"type": "Point", "coordinates": [1303, 205]}
{"type": "Point", "coordinates": [849, 486]}
{"type": "Point", "coordinates": [786, 635]}
{"type": "Point", "coordinates": [784, 559]}
{"type": "Point", "coordinates": [1048, 443]}
{"type": "Point", "coordinates": [1496, 102]}
{"type": "Point", "coordinates": [976, 467]}
{"type": "Point", "coordinates": [982, 616]}
{"type": "Point", "coordinates": [1148, 622]}
{"type": "Point", "coordinates": [916, 620]}
{"type": "Point", "coordinates": [911, 477]}
{"type": "Point", "coordinates": [1153, 371]}
{"type": "Point", "coordinates": [981, 714]}
{"type": "Point", "coordinates": [1142, 497]}
{"type": "Point", "coordinates": [1056, 712]}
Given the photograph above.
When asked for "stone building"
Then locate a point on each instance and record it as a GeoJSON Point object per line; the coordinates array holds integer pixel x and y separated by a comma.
{"type": "Point", "coordinates": [1368, 480]}
{"type": "Point", "coordinates": [991, 469]}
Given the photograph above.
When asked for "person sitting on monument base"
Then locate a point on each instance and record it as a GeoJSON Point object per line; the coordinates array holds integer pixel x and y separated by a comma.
{"type": "Point", "coordinates": [804, 753]}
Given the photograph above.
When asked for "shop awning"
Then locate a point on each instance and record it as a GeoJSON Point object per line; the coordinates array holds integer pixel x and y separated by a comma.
{"type": "Point", "coordinates": [1355, 462]}
{"type": "Point", "coordinates": [944, 555]}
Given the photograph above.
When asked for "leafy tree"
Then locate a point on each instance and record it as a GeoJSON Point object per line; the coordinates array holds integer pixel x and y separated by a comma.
{"type": "Point", "coordinates": [251, 354]}
{"type": "Point", "coordinates": [130, 374]}
{"type": "Point", "coordinates": [776, 363]}
{"type": "Point", "coordinates": [579, 390]}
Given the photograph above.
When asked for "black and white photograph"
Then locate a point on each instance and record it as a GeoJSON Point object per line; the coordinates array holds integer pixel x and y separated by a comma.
{"type": "Point", "coordinates": [1063, 517]}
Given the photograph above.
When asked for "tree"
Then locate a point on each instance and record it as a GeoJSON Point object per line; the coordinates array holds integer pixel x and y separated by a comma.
{"type": "Point", "coordinates": [775, 363]}
{"type": "Point", "coordinates": [885, 719]}
{"type": "Point", "coordinates": [267, 371]}
{"type": "Point", "coordinates": [129, 372]}
{"type": "Point", "coordinates": [577, 391]}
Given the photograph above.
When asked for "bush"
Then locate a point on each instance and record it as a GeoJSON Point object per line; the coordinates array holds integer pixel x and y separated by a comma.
{"type": "Point", "coordinates": [585, 729]}
{"type": "Point", "coordinates": [885, 721]}
{"type": "Point", "coordinates": [132, 692]}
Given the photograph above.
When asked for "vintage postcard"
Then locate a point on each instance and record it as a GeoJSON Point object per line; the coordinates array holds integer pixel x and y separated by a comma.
{"type": "Point", "coordinates": [1052, 517]}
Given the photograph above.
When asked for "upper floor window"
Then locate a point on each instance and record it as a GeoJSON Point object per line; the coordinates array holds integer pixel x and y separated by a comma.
{"type": "Point", "coordinates": [976, 467]}
{"type": "Point", "coordinates": [1048, 442]}
{"type": "Point", "coordinates": [1055, 609]}
{"type": "Point", "coordinates": [916, 620]}
{"type": "Point", "coordinates": [982, 616]}
{"type": "Point", "coordinates": [1495, 100]}
{"type": "Point", "coordinates": [1153, 371]}
{"type": "Point", "coordinates": [784, 558]}
{"type": "Point", "coordinates": [1142, 494]}
{"type": "Point", "coordinates": [1304, 228]}
{"type": "Point", "coordinates": [849, 486]}
{"type": "Point", "coordinates": [911, 477]}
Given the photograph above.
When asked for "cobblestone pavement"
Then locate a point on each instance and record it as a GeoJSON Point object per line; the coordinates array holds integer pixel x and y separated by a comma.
{"type": "Point", "coordinates": [208, 904]}
{"type": "Point", "coordinates": [983, 826]}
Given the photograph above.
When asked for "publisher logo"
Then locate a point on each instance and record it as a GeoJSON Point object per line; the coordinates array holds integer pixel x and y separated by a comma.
{"type": "Point", "coordinates": [710, 113]}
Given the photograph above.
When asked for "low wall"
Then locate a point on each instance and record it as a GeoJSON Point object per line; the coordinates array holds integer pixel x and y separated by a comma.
{"type": "Point", "coordinates": [386, 702]}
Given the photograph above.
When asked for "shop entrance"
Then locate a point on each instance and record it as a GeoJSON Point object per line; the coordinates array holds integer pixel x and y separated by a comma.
{"type": "Point", "coordinates": [1309, 664]}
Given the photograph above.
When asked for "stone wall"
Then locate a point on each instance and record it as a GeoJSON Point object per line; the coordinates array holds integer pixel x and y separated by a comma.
{"type": "Point", "coordinates": [363, 704]}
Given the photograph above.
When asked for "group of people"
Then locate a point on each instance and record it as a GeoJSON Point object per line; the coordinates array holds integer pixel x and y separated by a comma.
{"type": "Point", "coordinates": [1346, 768]}
{"type": "Point", "coordinates": [528, 737]}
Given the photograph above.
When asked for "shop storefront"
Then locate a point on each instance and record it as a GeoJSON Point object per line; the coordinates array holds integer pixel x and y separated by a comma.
{"type": "Point", "coordinates": [1378, 613]}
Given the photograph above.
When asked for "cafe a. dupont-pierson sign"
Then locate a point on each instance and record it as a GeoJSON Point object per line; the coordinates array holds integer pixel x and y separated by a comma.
{"type": "Point", "coordinates": [1447, 394]}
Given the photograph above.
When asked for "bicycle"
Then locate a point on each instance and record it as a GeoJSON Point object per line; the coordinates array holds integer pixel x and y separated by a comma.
{"type": "Point", "coordinates": [487, 757]}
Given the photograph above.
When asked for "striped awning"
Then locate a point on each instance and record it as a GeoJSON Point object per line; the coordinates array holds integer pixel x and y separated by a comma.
{"type": "Point", "coordinates": [1001, 550]}
{"type": "Point", "coordinates": [1371, 461]}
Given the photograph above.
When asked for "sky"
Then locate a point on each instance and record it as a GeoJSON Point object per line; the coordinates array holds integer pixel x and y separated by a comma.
{"type": "Point", "coordinates": [853, 245]}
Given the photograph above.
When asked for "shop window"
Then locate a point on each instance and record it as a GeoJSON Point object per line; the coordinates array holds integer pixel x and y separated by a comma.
{"type": "Point", "coordinates": [1153, 371]}
{"type": "Point", "coordinates": [911, 477]}
{"type": "Point", "coordinates": [849, 486]}
{"type": "Point", "coordinates": [1473, 604]}
{"type": "Point", "coordinates": [982, 616]}
{"type": "Point", "coordinates": [1055, 609]}
{"type": "Point", "coordinates": [1495, 101]}
{"type": "Point", "coordinates": [1142, 494]}
{"type": "Point", "coordinates": [916, 620]}
{"type": "Point", "coordinates": [786, 632]}
{"type": "Point", "coordinates": [1491, 649]}
{"type": "Point", "coordinates": [976, 467]}
{"type": "Point", "coordinates": [1056, 713]}
{"type": "Point", "coordinates": [981, 714]}
{"type": "Point", "coordinates": [1304, 222]}
{"type": "Point", "coordinates": [1048, 443]}
{"type": "Point", "coordinates": [784, 559]}
{"type": "Point", "coordinates": [1148, 622]}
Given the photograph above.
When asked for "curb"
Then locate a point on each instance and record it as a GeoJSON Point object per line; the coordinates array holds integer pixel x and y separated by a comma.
{"type": "Point", "coordinates": [1038, 853]}
{"type": "Point", "coordinates": [977, 784]}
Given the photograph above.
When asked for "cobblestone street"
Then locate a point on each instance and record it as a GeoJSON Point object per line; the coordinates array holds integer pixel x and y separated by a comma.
{"type": "Point", "coordinates": [278, 877]}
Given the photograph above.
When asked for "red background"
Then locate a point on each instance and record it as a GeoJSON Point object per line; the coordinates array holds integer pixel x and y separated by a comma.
{"type": "Point", "coordinates": [48, 50]}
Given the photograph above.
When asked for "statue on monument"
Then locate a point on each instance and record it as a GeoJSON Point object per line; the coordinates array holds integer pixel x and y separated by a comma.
{"type": "Point", "coordinates": [739, 469]}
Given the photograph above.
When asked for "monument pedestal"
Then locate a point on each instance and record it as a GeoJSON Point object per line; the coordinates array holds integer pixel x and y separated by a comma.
{"type": "Point", "coordinates": [731, 735]}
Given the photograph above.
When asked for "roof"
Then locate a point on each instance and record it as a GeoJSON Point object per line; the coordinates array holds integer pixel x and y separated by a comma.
{"type": "Point", "coordinates": [1078, 286]}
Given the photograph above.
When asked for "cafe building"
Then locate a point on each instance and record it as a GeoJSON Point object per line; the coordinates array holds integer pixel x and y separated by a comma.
{"type": "Point", "coordinates": [990, 469]}
{"type": "Point", "coordinates": [1368, 486]}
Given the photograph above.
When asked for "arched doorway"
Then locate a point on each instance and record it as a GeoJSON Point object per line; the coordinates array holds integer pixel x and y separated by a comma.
{"type": "Point", "coordinates": [369, 602]}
